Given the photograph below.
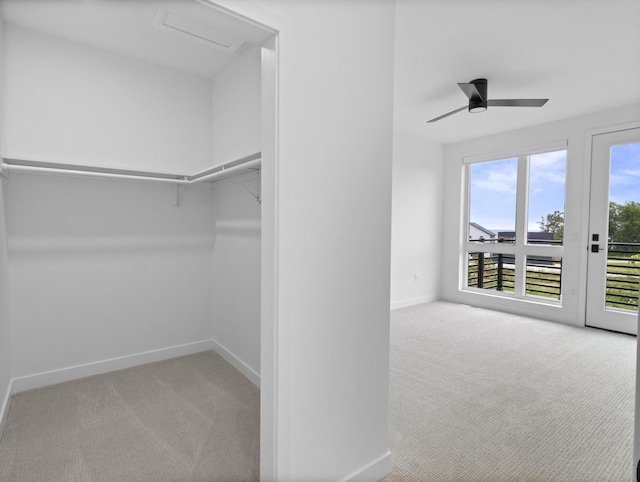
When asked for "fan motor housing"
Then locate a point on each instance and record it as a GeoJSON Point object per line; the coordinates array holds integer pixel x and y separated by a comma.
{"type": "Point", "coordinates": [479, 104]}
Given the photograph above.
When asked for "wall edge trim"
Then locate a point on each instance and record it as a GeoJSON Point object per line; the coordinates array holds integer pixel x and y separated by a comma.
{"type": "Point", "coordinates": [237, 363]}
{"type": "Point", "coordinates": [37, 380]}
{"type": "Point", "coordinates": [373, 471]}
{"type": "Point", "coordinates": [412, 301]}
{"type": "Point", "coordinates": [4, 408]}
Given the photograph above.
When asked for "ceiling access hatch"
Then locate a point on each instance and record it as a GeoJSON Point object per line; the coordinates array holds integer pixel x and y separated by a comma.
{"type": "Point", "coordinates": [198, 32]}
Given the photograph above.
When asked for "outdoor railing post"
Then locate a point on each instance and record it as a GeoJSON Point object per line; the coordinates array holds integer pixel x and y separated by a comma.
{"type": "Point", "coordinates": [480, 270]}
{"type": "Point", "coordinates": [560, 281]}
{"type": "Point", "coordinates": [499, 271]}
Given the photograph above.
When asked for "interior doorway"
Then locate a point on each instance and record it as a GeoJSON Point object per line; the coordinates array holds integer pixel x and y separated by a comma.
{"type": "Point", "coordinates": [613, 268]}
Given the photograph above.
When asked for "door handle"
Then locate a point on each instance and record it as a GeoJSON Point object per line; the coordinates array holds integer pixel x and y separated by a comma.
{"type": "Point", "coordinates": [595, 248]}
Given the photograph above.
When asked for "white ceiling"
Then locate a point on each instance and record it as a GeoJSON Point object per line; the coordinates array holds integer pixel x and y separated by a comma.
{"type": "Point", "coordinates": [584, 55]}
{"type": "Point", "coordinates": [126, 28]}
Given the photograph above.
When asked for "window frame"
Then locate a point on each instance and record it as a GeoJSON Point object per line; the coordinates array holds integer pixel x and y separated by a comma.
{"type": "Point", "coordinates": [520, 249]}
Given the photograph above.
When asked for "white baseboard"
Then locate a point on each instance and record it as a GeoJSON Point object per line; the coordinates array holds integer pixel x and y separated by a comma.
{"type": "Point", "coordinates": [373, 471]}
{"type": "Point", "coordinates": [38, 380]}
{"type": "Point", "coordinates": [239, 365]}
{"type": "Point", "coordinates": [4, 408]}
{"type": "Point", "coordinates": [412, 301]}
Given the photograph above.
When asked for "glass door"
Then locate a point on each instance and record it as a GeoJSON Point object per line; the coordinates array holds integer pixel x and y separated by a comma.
{"type": "Point", "coordinates": [613, 272]}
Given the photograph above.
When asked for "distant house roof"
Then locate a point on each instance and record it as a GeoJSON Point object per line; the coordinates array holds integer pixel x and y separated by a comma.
{"type": "Point", "coordinates": [530, 235]}
{"type": "Point", "coordinates": [483, 229]}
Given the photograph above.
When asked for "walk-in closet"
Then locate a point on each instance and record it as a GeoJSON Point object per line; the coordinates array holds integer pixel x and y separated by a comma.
{"type": "Point", "coordinates": [131, 200]}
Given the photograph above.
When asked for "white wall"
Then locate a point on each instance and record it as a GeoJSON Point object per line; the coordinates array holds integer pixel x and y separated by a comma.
{"type": "Point", "coordinates": [329, 387]}
{"type": "Point", "coordinates": [329, 364]}
{"type": "Point", "coordinates": [236, 271]}
{"type": "Point", "coordinates": [102, 269]}
{"type": "Point", "coordinates": [236, 125]}
{"type": "Point", "coordinates": [416, 220]}
{"type": "Point", "coordinates": [236, 133]}
{"type": "Point", "coordinates": [70, 103]}
{"type": "Point", "coordinates": [577, 132]}
{"type": "Point", "coordinates": [336, 113]}
{"type": "Point", "coordinates": [5, 335]}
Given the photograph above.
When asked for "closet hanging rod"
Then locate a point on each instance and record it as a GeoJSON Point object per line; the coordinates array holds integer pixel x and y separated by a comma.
{"type": "Point", "coordinates": [90, 169]}
{"type": "Point", "coordinates": [27, 166]}
{"type": "Point", "coordinates": [243, 161]}
{"type": "Point", "coordinates": [213, 175]}
{"type": "Point", "coordinates": [75, 172]}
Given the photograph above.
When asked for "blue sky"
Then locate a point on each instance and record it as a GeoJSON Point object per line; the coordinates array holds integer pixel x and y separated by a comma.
{"type": "Point", "coordinates": [492, 201]}
{"type": "Point", "coordinates": [625, 173]}
{"type": "Point", "coordinates": [493, 190]}
{"type": "Point", "coordinates": [493, 186]}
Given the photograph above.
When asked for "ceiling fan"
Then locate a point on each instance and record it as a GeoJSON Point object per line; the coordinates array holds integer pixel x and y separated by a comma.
{"type": "Point", "coordinates": [476, 91]}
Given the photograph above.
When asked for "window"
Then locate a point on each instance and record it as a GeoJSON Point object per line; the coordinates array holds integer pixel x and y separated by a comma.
{"type": "Point", "coordinates": [515, 224]}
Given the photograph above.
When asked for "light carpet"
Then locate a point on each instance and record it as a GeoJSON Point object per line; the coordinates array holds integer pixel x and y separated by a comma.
{"type": "Point", "coordinates": [193, 418]}
{"type": "Point", "coordinates": [478, 395]}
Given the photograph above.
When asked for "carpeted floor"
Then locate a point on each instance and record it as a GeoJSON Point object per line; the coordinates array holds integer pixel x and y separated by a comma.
{"type": "Point", "coordinates": [483, 396]}
{"type": "Point", "coordinates": [193, 418]}
{"type": "Point", "coordinates": [476, 396]}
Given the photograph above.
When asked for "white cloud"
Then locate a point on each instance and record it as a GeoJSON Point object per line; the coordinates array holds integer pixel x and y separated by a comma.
{"type": "Point", "coordinates": [625, 177]}
{"type": "Point", "coordinates": [495, 177]}
{"type": "Point", "coordinates": [547, 168]}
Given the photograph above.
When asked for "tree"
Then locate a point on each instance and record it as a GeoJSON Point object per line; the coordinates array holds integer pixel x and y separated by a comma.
{"type": "Point", "coordinates": [624, 222]}
{"type": "Point", "coordinates": [553, 223]}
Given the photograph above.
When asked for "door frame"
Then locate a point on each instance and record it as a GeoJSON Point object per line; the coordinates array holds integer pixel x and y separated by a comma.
{"type": "Point", "coordinates": [274, 425]}
{"type": "Point", "coordinates": [584, 258]}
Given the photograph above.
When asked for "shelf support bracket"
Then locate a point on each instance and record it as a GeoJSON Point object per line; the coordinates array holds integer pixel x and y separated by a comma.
{"type": "Point", "coordinates": [179, 194]}
{"type": "Point", "coordinates": [257, 196]}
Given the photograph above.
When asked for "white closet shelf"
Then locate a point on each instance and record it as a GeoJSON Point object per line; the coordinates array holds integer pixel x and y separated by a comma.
{"type": "Point", "coordinates": [209, 175]}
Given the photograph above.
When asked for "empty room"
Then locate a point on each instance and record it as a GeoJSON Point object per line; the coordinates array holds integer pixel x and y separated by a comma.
{"type": "Point", "coordinates": [515, 219]}
{"type": "Point", "coordinates": [319, 240]}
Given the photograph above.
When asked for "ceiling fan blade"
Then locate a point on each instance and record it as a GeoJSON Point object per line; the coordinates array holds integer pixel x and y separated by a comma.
{"type": "Point", "coordinates": [470, 90]}
{"type": "Point", "coordinates": [448, 114]}
{"type": "Point", "coordinates": [516, 102]}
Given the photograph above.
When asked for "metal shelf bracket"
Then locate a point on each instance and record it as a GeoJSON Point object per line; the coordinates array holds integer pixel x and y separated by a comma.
{"type": "Point", "coordinates": [179, 194]}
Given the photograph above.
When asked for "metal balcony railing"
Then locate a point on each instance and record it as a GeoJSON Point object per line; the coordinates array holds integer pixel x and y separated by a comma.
{"type": "Point", "coordinates": [530, 240]}
{"type": "Point", "coordinates": [491, 271]}
{"type": "Point", "coordinates": [495, 271]}
{"type": "Point", "coordinates": [623, 275]}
